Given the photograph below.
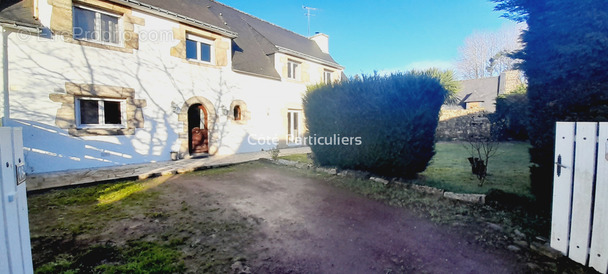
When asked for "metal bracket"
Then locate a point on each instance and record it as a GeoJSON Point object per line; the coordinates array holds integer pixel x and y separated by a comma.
{"type": "Point", "coordinates": [20, 173]}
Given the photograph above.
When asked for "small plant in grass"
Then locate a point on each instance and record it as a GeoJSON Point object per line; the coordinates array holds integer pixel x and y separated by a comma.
{"type": "Point", "coordinates": [274, 153]}
{"type": "Point", "coordinates": [482, 145]}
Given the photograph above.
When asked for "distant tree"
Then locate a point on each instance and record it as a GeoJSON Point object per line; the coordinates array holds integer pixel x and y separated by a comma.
{"type": "Point", "coordinates": [486, 54]}
{"type": "Point", "coordinates": [447, 79]}
{"type": "Point", "coordinates": [565, 59]}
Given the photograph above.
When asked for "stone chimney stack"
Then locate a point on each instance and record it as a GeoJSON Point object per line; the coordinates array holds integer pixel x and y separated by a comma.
{"type": "Point", "coordinates": [508, 81]}
{"type": "Point", "coordinates": [322, 40]}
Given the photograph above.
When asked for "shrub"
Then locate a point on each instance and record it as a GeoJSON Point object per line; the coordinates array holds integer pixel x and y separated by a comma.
{"type": "Point", "coordinates": [392, 118]}
{"type": "Point", "coordinates": [511, 115]}
{"type": "Point", "coordinates": [565, 58]}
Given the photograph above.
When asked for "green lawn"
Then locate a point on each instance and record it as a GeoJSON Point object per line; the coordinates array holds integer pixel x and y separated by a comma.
{"type": "Point", "coordinates": [450, 170]}
{"type": "Point", "coordinates": [507, 171]}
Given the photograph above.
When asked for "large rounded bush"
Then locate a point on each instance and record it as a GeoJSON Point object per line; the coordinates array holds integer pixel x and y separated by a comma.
{"type": "Point", "coordinates": [385, 125]}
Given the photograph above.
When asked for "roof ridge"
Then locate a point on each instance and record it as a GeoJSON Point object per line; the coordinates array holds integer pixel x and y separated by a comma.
{"type": "Point", "coordinates": [262, 20]}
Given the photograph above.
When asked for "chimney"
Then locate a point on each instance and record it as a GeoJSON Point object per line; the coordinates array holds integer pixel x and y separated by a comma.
{"type": "Point", "coordinates": [322, 41]}
{"type": "Point", "coordinates": [508, 81]}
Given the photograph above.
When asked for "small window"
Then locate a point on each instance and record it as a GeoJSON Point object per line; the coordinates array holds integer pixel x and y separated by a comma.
{"type": "Point", "coordinates": [237, 113]}
{"type": "Point", "coordinates": [96, 26]}
{"type": "Point", "coordinates": [293, 70]}
{"type": "Point", "coordinates": [199, 49]}
{"type": "Point", "coordinates": [100, 113]}
{"type": "Point", "coordinates": [327, 76]}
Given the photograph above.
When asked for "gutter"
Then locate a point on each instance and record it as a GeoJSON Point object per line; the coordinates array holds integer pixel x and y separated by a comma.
{"type": "Point", "coordinates": [4, 78]}
{"type": "Point", "coordinates": [257, 74]}
{"type": "Point", "coordinates": [19, 26]}
{"type": "Point", "coordinates": [6, 28]}
{"type": "Point", "coordinates": [309, 57]}
{"type": "Point", "coordinates": [176, 16]}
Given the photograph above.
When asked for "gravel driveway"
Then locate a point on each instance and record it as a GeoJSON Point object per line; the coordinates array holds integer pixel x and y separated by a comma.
{"type": "Point", "coordinates": [306, 225]}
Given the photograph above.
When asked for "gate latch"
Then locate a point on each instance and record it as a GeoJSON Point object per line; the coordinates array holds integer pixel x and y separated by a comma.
{"type": "Point", "coordinates": [559, 165]}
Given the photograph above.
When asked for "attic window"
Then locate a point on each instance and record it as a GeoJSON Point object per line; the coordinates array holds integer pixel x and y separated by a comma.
{"type": "Point", "coordinates": [199, 49]}
{"type": "Point", "coordinates": [293, 69]}
{"type": "Point", "coordinates": [96, 26]}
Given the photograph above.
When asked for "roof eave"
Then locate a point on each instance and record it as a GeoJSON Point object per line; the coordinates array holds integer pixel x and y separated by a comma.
{"type": "Point", "coordinates": [309, 57]}
{"type": "Point", "coordinates": [257, 74]}
{"type": "Point", "coordinates": [30, 28]}
{"type": "Point", "coordinates": [176, 16]}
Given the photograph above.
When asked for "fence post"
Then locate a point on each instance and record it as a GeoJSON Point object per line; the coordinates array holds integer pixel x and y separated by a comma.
{"type": "Point", "coordinates": [15, 234]}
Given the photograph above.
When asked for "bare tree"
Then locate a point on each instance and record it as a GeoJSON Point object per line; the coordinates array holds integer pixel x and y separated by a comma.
{"type": "Point", "coordinates": [482, 145]}
{"type": "Point", "coordinates": [486, 54]}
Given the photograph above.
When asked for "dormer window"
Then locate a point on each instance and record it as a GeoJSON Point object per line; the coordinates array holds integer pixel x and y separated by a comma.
{"type": "Point", "coordinates": [96, 26]}
{"type": "Point", "coordinates": [199, 49]}
{"type": "Point", "coordinates": [293, 70]}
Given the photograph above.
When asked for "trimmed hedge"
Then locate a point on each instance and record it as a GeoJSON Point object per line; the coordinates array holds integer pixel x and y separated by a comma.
{"type": "Point", "coordinates": [511, 116]}
{"type": "Point", "coordinates": [394, 118]}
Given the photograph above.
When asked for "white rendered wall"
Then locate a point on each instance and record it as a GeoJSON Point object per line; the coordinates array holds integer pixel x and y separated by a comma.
{"type": "Point", "coordinates": [41, 66]}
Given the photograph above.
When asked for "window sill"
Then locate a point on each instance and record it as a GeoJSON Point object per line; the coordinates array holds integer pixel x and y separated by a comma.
{"type": "Point", "coordinates": [112, 127]}
{"type": "Point", "coordinates": [201, 63]}
{"type": "Point", "coordinates": [100, 131]}
{"type": "Point", "coordinates": [100, 45]}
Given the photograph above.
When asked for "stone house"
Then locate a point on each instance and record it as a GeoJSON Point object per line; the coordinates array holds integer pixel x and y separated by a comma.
{"type": "Point", "coordinates": [110, 82]}
{"type": "Point", "coordinates": [477, 98]}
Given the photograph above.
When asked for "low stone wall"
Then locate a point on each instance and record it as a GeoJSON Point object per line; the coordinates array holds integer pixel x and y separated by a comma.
{"type": "Point", "coordinates": [455, 125]}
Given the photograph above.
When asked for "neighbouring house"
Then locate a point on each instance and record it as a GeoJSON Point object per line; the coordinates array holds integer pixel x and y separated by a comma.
{"type": "Point", "coordinates": [110, 82]}
{"type": "Point", "coordinates": [481, 93]}
{"type": "Point", "coordinates": [477, 98]}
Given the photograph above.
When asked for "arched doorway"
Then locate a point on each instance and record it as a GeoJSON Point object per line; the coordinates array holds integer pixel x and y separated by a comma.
{"type": "Point", "coordinates": [198, 129]}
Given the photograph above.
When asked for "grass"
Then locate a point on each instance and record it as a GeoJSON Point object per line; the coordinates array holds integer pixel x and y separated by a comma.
{"type": "Point", "coordinates": [135, 257]}
{"type": "Point", "coordinates": [135, 227]}
{"type": "Point", "coordinates": [450, 170]}
{"type": "Point", "coordinates": [507, 171]}
{"type": "Point", "coordinates": [302, 158]}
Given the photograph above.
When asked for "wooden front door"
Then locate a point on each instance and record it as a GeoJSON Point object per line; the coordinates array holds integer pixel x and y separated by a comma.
{"type": "Point", "coordinates": [198, 133]}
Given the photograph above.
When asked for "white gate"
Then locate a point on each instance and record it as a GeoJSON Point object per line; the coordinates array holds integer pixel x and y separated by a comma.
{"type": "Point", "coordinates": [579, 224]}
{"type": "Point", "coordinates": [15, 248]}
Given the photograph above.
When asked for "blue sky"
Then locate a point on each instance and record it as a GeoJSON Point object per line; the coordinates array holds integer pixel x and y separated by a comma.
{"type": "Point", "coordinates": [383, 35]}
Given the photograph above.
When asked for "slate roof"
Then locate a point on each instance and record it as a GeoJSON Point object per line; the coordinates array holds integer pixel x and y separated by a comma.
{"type": "Point", "coordinates": [17, 12]}
{"type": "Point", "coordinates": [482, 90]}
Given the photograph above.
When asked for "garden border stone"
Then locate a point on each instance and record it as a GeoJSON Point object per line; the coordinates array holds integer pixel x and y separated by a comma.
{"type": "Point", "coordinates": [464, 197]}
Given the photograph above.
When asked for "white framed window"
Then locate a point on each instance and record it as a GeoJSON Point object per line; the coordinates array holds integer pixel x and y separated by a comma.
{"type": "Point", "coordinates": [96, 26]}
{"type": "Point", "coordinates": [100, 113]}
{"type": "Point", "coordinates": [293, 70]}
{"type": "Point", "coordinates": [327, 76]}
{"type": "Point", "coordinates": [199, 49]}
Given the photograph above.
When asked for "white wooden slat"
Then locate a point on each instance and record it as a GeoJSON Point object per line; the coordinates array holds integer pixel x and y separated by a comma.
{"type": "Point", "coordinates": [598, 255]}
{"type": "Point", "coordinates": [21, 200]}
{"type": "Point", "coordinates": [584, 169]}
{"type": "Point", "coordinates": [9, 214]}
{"type": "Point", "coordinates": [562, 186]}
{"type": "Point", "coordinates": [4, 260]}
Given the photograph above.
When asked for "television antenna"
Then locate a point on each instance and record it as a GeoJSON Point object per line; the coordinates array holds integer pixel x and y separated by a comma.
{"type": "Point", "coordinates": [308, 14]}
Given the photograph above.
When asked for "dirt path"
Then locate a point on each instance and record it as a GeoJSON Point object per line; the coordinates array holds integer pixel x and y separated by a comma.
{"type": "Point", "coordinates": [307, 225]}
